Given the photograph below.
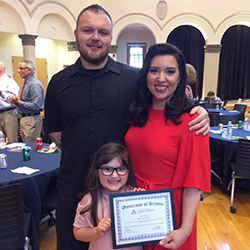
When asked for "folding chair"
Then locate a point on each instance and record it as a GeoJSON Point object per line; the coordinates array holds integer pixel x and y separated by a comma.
{"type": "Point", "coordinates": [240, 168]}
{"type": "Point", "coordinates": [14, 223]}
{"type": "Point", "coordinates": [242, 109]}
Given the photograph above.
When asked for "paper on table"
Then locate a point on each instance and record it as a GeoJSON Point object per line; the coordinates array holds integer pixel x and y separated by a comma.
{"type": "Point", "coordinates": [15, 145]}
{"type": "Point", "coordinates": [24, 170]}
{"type": "Point", "coordinates": [248, 137]}
{"type": "Point", "coordinates": [216, 131]}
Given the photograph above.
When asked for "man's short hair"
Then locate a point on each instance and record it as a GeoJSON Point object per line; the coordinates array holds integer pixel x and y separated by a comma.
{"type": "Point", "coordinates": [210, 93]}
{"type": "Point", "coordinates": [95, 8]}
{"type": "Point", "coordinates": [30, 65]}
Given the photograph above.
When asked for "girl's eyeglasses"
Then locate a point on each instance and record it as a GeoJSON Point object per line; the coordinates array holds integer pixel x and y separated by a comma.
{"type": "Point", "coordinates": [107, 171]}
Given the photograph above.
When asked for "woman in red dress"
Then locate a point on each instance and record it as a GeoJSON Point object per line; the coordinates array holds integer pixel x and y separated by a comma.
{"type": "Point", "coordinates": [165, 154]}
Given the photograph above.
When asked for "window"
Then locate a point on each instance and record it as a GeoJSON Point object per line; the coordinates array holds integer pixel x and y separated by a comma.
{"type": "Point", "coordinates": [136, 53]}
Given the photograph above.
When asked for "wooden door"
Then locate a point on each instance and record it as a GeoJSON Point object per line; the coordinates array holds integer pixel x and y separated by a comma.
{"type": "Point", "coordinates": [41, 71]}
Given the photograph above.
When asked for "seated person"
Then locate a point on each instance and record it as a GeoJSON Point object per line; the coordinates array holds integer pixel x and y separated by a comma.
{"type": "Point", "coordinates": [191, 79]}
{"type": "Point", "coordinates": [212, 98]}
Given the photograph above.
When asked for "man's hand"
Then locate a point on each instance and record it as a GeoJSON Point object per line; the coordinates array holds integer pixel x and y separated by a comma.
{"type": "Point", "coordinates": [56, 138]}
{"type": "Point", "coordinates": [14, 99]}
{"type": "Point", "coordinates": [200, 123]}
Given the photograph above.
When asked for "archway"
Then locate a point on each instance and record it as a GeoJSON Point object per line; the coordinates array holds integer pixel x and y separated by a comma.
{"type": "Point", "coordinates": [191, 42]}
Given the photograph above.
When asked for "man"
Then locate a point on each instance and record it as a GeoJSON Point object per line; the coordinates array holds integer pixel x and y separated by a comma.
{"type": "Point", "coordinates": [8, 111]}
{"type": "Point", "coordinates": [86, 106]}
{"type": "Point", "coordinates": [212, 98]}
{"type": "Point", "coordinates": [30, 102]}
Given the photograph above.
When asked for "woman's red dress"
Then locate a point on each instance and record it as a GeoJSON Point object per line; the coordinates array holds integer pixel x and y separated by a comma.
{"type": "Point", "coordinates": [170, 156]}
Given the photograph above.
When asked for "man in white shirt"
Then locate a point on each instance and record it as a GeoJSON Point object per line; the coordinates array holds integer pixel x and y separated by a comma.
{"type": "Point", "coordinates": [8, 111]}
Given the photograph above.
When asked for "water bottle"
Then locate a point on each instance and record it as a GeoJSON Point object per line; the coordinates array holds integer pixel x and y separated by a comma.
{"type": "Point", "coordinates": [246, 124]}
{"type": "Point", "coordinates": [229, 130]}
{"type": "Point", "coordinates": [2, 138]}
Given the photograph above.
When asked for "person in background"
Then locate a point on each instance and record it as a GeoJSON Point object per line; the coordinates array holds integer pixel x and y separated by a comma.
{"type": "Point", "coordinates": [212, 98]}
{"type": "Point", "coordinates": [8, 111]}
{"type": "Point", "coordinates": [110, 172]}
{"type": "Point", "coordinates": [86, 106]}
{"type": "Point", "coordinates": [164, 153]}
{"type": "Point", "coordinates": [30, 102]}
{"type": "Point", "coordinates": [191, 79]}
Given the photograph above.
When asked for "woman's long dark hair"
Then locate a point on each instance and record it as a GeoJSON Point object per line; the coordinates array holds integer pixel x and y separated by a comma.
{"type": "Point", "coordinates": [105, 154]}
{"type": "Point", "coordinates": [177, 105]}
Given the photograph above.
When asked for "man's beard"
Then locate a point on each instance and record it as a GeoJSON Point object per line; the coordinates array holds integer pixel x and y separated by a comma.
{"type": "Point", "coordinates": [92, 59]}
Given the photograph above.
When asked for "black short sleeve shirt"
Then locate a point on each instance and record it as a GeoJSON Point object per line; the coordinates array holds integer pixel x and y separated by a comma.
{"type": "Point", "coordinates": [90, 108]}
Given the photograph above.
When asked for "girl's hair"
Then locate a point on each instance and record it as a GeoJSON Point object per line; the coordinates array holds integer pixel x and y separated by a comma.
{"type": "Point", "coordinates": [177, 105]}
{"type": "Point", "coordinates": [105, 154]}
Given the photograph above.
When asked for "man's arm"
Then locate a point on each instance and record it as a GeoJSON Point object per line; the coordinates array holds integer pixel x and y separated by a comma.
{"type": "Point", "coordinates": [56, 138]}
{"type": "Point", "coordinates": [200, 123]}
{"type": "Point", "coordinates": [37, 98]}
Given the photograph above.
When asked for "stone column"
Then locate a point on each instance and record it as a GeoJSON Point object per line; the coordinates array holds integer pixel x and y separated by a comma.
{"type": "Point", "coordinates": [211, 68]}
{"type": "Point", "coordinates": [72, 47]}
{"type": "Point", "coordinates": [113, 52]}
{"type": "Point", "coordinates": [29, 46]}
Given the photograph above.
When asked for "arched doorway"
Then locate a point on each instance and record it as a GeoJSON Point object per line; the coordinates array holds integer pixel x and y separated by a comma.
{"type": "Point", "coordinates": [191, 42]}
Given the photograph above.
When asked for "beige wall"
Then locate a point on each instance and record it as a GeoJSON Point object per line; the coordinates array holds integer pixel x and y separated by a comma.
{"type": "Point", "coordinates": [54, 23]}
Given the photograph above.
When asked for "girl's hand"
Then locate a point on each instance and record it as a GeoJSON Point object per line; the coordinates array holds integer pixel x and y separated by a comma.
{"type": "Point", "coordinates": [175, 239]}
{"type": "Point", "coordinates": [137, 189]}
{"type": "Point", "coordinates": [103, 226]}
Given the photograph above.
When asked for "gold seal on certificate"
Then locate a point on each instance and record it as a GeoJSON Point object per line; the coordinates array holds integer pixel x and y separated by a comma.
{"type": "Point", "coordinates": [141, 218]}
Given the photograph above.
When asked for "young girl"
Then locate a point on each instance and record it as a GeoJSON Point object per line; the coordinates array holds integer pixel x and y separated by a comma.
{"type": "Point", "coordinates": [110, 172]}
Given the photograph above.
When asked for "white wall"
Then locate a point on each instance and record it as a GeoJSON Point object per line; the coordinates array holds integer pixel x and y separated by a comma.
{"type": "Point", "coordinates": [134, 37]}
{"type": "Point", "coordinates": [55, 20]}
{"type": "Point", "coordinates": [54, 51]}
{"type": "Point", "coordinates": [10, 45]}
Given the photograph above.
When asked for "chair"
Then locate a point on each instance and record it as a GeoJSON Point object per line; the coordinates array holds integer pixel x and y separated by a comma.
{"type": "Point", "coordinates": [212, 116]}
{"type": "Point", "coordinates": [214, 160]}
{"type": "Point", "coordinates": [49, 202]}
{"type": "Point", "coordinates": [203, 104]}
{"type": "Point", "coordinates": [214, 105]}
{"type": "Point", "coordinates": [242, 109]}
{"type": "Point", "coordinates": [224, 104]}
{"type": "Point", "coordinates": [240, 168]}
{"type": "Point", "coordinates": [14, 223]}
{"type": "Point", "coordinates": [225, 118]}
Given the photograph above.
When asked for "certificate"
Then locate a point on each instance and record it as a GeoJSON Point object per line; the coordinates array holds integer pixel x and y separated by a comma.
{"type": "Point", "coordinates": [141, 218]}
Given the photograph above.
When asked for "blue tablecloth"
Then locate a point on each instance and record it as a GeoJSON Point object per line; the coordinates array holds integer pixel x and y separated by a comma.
{"type": "Point", "coordinates": [227, 150]}
{"type": "Point", "coordinates": [34, 185]}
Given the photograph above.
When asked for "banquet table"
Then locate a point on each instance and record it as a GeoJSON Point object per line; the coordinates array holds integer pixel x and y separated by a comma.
{"type": "Point", "coordinates": [34, 185]}
{"type": "Point", "coordinates": [226, 149]}
{"type": "Point", "coordinates": [224, 112]}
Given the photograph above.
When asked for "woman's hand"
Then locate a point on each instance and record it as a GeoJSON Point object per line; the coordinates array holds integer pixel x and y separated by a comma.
{"type": "Point", "coordinates": [191, 200]}
{"type": "Point", "coordinates": [200, 123]}
{"type": "Point", "coordinates": [175, 239]}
